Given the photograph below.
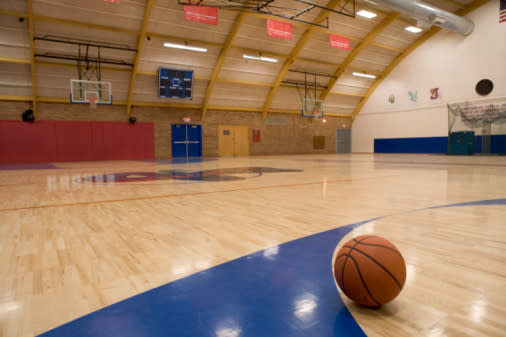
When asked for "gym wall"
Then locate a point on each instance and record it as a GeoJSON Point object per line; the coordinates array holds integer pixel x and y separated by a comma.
{"type": "Point", "coordinates": [448, 61]}
{"type": "Point", "coordinates": [296, 136]}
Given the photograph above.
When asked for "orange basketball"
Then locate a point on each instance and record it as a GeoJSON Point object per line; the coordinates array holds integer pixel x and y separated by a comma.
{"type": "Point", "coordinates": [370, 270]}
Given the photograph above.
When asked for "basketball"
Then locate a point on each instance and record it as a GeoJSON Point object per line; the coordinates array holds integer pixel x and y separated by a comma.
{"type": "Point", "coordinates": [370, 270]}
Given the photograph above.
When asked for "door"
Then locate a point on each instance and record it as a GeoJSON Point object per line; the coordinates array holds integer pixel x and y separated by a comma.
{"type": "Point", "coordinates": [194, 140]}
{"type": "Point", "coordinates": [179, 140]}
{"type": "Point", "coordinates": [241, 140]}
{"type": "Point", "coordinates": [186, 140]}
{"type": "Point", "coordinates": [233, 140]}
{"type": "Point", "coordinates": [343, 141]}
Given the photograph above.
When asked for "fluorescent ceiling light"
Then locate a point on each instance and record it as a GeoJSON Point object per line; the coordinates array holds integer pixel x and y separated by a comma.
{"type": "Point", "coordinates": [259, 58]}
{"type": "Point", "coordinates": [366, 14]}
{"type": "Point", "coordinates": [363, 75]}
{"type": "Point", "coordinates": [185, 47]}
{"type": "Point", "coordinates": [413, 29]}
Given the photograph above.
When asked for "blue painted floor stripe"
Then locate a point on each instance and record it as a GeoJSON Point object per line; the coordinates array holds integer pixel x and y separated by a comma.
{"type": "Point", "coordinates": [287, 290]}
{"type": "Point", "coordinates": [281, 291]}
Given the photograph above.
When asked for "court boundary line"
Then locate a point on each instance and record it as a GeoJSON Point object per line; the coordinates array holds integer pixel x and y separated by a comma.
{"type": "Point", "coordinates": [187, 194]}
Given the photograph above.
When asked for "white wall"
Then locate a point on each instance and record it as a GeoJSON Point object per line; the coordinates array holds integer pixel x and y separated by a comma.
{"type": "Point", "coordinates": [448, 61]}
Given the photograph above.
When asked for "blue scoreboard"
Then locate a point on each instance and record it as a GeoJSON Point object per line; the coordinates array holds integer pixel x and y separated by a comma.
{"type": "Point", "coordinates": [175, 83]}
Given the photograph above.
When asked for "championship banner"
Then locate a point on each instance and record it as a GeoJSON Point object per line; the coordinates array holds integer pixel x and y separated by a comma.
{"type": "Point", "coordinates": [281, 30]}
{"type": "Point", "coordinates": [202, 14]}
{"type": "Point", "coordinates": [339, 42]}
{"type": "Point", "coordinates": [475, 114]}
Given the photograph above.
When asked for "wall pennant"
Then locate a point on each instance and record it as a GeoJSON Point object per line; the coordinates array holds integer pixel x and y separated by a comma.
{"type": "Point", "coordinates": [339, 42]}
{"type": "Point", "coordinates": [202, 14]}
{"type": "Point", "coordinates": [413, 95]}
{"type": "Point", "coordinates": [281, 30]}
{"type": "Point", "coordinates": [434, 93]}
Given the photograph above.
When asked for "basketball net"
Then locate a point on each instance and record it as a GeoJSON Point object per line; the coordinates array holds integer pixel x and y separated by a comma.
{"type": "Point", "coordinates": [93, 102]}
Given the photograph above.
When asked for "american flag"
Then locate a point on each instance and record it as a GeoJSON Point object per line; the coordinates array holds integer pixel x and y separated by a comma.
{"type": "Point", "coordinates": [502, 11]}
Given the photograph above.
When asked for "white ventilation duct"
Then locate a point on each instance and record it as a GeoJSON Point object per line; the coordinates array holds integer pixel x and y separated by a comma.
{"type": "Point", "coordinates": [429, 14]}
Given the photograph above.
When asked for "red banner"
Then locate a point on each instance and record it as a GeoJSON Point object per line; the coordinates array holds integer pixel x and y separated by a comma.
{"type": "Point", "coordinates": [202, 14]}
{"type": "Point", "coordinates": [340, 42]}
{"type": "Point", "coordinates": [281, 30]}
{"type": "Point", "coordinates": [112, 1]}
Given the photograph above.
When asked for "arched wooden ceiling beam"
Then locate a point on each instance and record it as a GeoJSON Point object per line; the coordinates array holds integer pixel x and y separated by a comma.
{"type": "Point", "coordinates": [32, 59]}
{"type": "Point", "coordinates": [219, 62]}
{"type": "Point", "coordinates": [357, 50]}
{"type": "Point", "coordinates": [148, 73]}
{"type": "Point", "coordinates": [140, 44]}
{"type": "Point", "coordinates": [304, 39]}
{"type": "Point", "coordinates": [181, 39]}
{"type": "Point", "coordinates": [162, 105]}
{"type": "Point", "coordinates": [467, 9]}
{"type": "Point", "coordinates": [246, 49]}
{"type": "Point", "coordinates": [14, 13]}
{"type": "Point", "coordinates": [13, 60]}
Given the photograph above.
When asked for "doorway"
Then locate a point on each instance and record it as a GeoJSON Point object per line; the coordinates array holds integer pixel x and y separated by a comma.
{"type": "Point", "coordinates": [233, 140]}
{"type": "Point", "coordinates": [186, 140]}
{"type": "Point", "coordinates": [343, 140]}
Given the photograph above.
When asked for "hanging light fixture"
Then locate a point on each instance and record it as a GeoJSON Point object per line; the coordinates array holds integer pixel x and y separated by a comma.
{"type": "Point", "coordinates": [363, 75]}
{"type": "Point", "coordinates": [184, 47]}
{"type": "Point", "coordinates": [260, 58]}
{"type": "Point", "coordinates": [413, 29]}
{"type": "Point", "coordinates": [366, 14]}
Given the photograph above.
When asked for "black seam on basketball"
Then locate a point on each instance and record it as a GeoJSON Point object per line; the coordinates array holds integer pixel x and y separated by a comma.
{"type": "Point", "coordinates": [382, 246]}
{"type": "Point", "coordinates": [381, 266]}
{"type": "Point", "coordinates": [347, 255]}
{"type": "Point", "coordinates": [363, 239]}
{"type": "Point", "coordinates": [344, 264]}
{"type": "Point", "coordinates": [362, 280]}
{"type": "Point", "coordinates": [342, 271]}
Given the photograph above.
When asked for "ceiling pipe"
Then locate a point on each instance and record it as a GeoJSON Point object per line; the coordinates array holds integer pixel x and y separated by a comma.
{"type": "Point", "coordinates": [429, 14]}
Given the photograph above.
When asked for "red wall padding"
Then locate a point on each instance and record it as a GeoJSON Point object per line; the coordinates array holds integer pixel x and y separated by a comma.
{"type": "Point", "coordinates": [49, 141]}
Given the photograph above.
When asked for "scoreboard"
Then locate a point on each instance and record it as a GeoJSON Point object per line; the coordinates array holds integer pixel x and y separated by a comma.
{"type": "Point", "coordinates": [175, 83]}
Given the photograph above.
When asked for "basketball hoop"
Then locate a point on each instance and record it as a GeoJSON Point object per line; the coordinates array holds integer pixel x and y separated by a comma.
{"type": "Point", "coordinates": [90, 92]}
{"type": "Point", "coordinates": [312, 107]}
{"type": "Point", "coordinates": [93, 102]}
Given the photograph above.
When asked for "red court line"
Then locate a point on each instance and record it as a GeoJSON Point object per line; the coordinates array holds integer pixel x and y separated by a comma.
{"type": "Point", "coordinates": [188, 194]}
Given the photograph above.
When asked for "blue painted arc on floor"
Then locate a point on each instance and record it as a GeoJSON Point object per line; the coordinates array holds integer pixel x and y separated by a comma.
{"type": "Point", "coordinates": [286, 290]}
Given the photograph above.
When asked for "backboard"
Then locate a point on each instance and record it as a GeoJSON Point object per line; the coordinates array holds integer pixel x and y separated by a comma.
{"type": "Point", "coordinates": [312, 107]}
{"type": "Point", "coordinates": [90, 92]}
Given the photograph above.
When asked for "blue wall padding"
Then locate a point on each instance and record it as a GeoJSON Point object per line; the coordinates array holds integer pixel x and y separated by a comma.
{"type": "Point", "coordinates": [433, 145]}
